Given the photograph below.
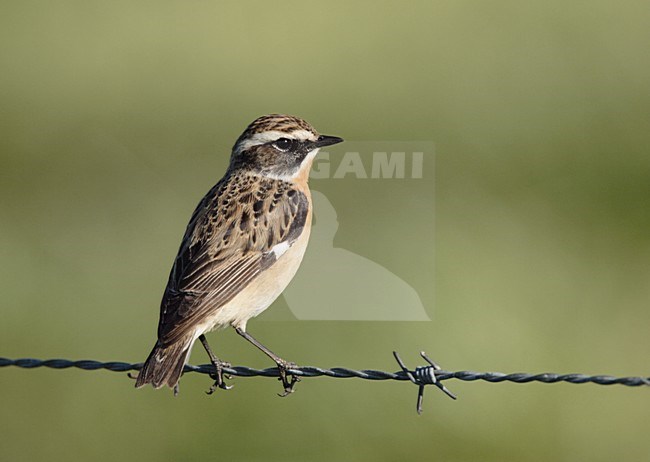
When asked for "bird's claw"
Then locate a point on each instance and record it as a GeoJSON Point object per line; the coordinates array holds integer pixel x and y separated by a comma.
{"type": "Point", "coordinates": [288, 380]}
{"type": "Point", "coordinates": [218, 377]}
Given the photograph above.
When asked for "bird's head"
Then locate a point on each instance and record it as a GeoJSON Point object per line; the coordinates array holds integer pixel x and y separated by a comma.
{"type": "Point", "coordinates": [278, 146]}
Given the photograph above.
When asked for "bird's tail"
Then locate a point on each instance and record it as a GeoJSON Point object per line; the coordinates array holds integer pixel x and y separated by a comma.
{"type": "Point", "coordinates": [164, 365]}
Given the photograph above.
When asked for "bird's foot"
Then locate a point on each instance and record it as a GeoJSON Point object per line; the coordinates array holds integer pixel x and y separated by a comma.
{"type": "Point", "coordinates": [288, 380]}
{"type": "Point", "coordinates": [218, 376]}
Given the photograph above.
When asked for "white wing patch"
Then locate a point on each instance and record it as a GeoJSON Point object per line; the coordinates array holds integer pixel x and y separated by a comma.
{"type": "Point", "coordinates": [280, 249]}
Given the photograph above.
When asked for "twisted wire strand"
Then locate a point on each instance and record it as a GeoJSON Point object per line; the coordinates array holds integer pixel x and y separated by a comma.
{"type": "Point", "coordinates": [341, 372]}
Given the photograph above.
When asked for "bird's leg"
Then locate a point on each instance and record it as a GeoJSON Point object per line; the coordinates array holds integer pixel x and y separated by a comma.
{"type": "Point", "coordinates": [218, 365]}
{"type": "Point", "coordinates": [283, 365]}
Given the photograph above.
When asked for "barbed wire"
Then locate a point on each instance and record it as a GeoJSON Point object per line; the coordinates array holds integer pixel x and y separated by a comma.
{"type": "Point", "coordinates": [421, 376]}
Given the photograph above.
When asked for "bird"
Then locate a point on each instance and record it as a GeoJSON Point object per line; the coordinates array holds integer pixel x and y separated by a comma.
{"type": "Point", "coordinates": [242, 246]}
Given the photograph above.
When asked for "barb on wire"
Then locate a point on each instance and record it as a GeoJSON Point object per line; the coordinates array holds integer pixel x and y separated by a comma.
{"type": "Point", "coordinates": [421, 376]}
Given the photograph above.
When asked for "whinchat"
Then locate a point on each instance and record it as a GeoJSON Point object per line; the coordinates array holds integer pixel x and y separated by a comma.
{"type": "Point", "coordinates": [242, 246]}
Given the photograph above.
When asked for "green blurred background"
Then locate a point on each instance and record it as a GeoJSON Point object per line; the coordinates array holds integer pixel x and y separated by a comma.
{"type": "Point", "coordinates": [116, 117]}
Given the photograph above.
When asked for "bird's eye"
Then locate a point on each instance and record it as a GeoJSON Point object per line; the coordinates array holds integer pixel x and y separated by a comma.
{"type": "Point", "coordinates": [283, 144]}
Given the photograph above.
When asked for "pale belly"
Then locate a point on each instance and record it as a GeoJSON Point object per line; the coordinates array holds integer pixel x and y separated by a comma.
{"type": "Point", "coordinates": [261, 292]}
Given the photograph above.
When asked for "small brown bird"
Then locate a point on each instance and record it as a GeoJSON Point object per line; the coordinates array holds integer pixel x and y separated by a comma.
{"type": "Point", "coordinates": [242, 247]}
